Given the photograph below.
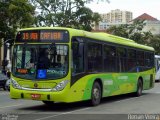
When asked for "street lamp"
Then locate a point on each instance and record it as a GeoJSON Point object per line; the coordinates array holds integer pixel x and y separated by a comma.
{"type": "Point", "coordinates": [6, 54]}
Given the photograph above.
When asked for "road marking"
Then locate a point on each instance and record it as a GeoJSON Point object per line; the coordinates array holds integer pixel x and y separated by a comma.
{"type": "Point", "coordinates": [10, 106]}
{"type": "Point", "coordinates": [62, 114]}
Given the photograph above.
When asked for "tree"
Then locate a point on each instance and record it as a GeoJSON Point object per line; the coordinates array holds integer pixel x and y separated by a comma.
{"type": "Point", "coordinates": [155, 43]}
{"type": "Point", "coordinates": [3, 19]}
{"type": "Point", "coordinates": [136, 26]}
{"type": "Point", "coordinates": [14, 14]}
{"type": "Point", "coordinates": [21, 13]}
{"type": "Point", "coordinates": [89, 1]}
{"type": "Point", "coordinates": [132, 31]}
{"type": "Point", "coordinates": [120, 30]}
{"type": "Point", "coordinates": [64, 13]}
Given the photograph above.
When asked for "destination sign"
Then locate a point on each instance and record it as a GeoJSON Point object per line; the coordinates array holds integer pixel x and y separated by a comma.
{"type": "Point", "coordinates": [42, 35]}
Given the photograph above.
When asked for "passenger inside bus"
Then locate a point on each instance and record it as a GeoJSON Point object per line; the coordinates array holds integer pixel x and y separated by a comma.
{"type": "Point", "coordinates": [43, 60]}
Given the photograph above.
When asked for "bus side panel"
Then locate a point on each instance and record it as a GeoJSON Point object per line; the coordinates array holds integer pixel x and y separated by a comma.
{"type": "Point", "coordinates": [81, 89]}
{"type": "Point", "coordinates": [109, 84]}
{"type": "Point", "coordinates": [148, 79]}
{"type": "Point", "coordinates": [112, 83]}
{"type": "Point", "coordinates": [126, 83]}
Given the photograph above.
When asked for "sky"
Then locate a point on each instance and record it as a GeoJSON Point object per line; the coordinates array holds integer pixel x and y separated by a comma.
{"type": "Point", "coordinates": [137, 7]}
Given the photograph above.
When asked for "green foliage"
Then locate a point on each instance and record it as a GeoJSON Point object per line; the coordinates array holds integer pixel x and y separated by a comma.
{"type": "Point", "coordinates": [120, 30]}
{"type": "Point", "coordinates": [65, 13]}
{"type": "Point", "coordinates": [134, 32]}
{"type": "Point", "coordinates": [14, 14]}
{"type": "Point", "coordinates": [155, 42]}
{"type": "Point", "coordinates": [21, 13]}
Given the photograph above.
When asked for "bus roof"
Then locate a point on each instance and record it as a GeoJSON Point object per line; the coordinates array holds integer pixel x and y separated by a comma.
{"type": "Point", "coordinates": [97, 36]}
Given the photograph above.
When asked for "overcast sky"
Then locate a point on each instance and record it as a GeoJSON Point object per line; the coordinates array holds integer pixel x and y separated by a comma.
{"type": "Point", "coordinates": [137, 7]}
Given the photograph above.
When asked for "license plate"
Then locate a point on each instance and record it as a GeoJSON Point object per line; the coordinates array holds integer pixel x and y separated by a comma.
{"type": "Point", "coordinates": [35, 96]}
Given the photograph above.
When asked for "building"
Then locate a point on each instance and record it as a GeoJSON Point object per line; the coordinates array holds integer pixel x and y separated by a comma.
{"type": "Point", "coordinates": [152, 24]}
{"type": "Point", "coordinates": [115, 17]}
{"type": "Point", "coordinates": [119, 17]}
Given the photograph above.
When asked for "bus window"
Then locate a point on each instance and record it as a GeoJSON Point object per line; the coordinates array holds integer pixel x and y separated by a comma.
{"type": "Point", "coordinates": [94, 55]}
{"type": "Point", "coordinates": [109, 58]}
{"type": "Point", "coordinates": [122, 59]}
{"type": "Point", "coordinates": [43, 60]}
{"type": "Point", "coordinates": [131, 60]}
{"type": "Point", "coordinates": [31, 60]}
{"type": "Point", "coordinates": [149, 61]}
{"type": "Point", "coordinates": [77, 56]}
{"type": "Point", "coordinates": [140, 59]}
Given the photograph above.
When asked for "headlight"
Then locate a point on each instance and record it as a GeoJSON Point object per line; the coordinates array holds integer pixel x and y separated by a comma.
{"type": "Point", "coordinates": [15, 84]}
{"type": "Point", "coordinates": [60, 86]}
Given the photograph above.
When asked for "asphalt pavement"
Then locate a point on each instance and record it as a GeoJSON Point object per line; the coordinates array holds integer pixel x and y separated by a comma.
{"type": "Point", "coordinates": [123, 107]}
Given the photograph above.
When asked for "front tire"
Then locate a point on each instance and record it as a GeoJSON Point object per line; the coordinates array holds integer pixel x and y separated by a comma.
{"type": "Point", "coordinates": [96, 94]}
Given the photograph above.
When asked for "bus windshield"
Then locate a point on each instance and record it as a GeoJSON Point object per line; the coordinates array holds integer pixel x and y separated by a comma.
{"type": "Point", "coordinates": [40, 61]}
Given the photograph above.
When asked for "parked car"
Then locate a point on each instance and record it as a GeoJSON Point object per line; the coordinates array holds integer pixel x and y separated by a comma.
{"type": "Point", "coordinates": [7, 85]}
{"type": "Point", "coordinates": [3, 80]}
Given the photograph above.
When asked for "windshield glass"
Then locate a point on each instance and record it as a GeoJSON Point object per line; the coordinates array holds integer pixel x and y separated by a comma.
{"type": "Point", "coordinates": [40, 61]}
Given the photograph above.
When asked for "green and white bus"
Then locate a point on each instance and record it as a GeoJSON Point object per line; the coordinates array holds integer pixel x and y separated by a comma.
{"type": "Point", "coordinates": [57, 64]}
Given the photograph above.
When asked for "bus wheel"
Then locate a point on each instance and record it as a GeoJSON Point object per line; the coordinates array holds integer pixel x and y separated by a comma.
{"type": "Point", "coordinates": [96, 94]}
{"type": "Point", "coordinates": [139, 88]}
{"type": "Point", "coordinates": [48, 102]}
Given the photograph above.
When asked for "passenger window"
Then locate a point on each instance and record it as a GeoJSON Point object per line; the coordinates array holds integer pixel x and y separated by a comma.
{"type": "Point", "coordinates": [109, 58]}
{"type": "Point", "coordinates": [122, 59]}
{"type": "Point", "coordinates": [94, 56]}
{"type": "Point", "coordinates": [77, 56]}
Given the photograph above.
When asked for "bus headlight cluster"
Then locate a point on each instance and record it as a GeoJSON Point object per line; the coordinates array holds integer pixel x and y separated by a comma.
{"type": "Point", "coordinates": [60, 86]}
{"type": "Point", "coordinates": [15, 84]}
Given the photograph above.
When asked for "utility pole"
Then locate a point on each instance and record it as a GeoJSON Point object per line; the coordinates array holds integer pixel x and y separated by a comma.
{"type": "Point", "coordinates": [6, 55]}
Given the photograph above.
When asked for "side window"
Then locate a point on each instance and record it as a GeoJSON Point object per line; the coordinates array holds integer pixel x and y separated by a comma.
{"type": "Point", "coordinates": [140, 58]}
{"type": "Point", "coordinates": [149, 59]}
{"type": "Point", "coordinates": [152, 60]}
{"type": "Point", "coordinates": [94, 56]}
{"type": "Point", "coordinates": [122, 59]}
{"type": "Point", "coordinates": [131, 63]}
{"type": "Point", "coordinates": [109, 58]}
{"type": "Point", "coordinates": [77, 56]}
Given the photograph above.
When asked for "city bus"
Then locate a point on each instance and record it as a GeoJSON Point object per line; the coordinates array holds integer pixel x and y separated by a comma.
{"type": "Point", "coordinates": [157, 67]}
{"type": "Point", "coordinates": [57, 64]}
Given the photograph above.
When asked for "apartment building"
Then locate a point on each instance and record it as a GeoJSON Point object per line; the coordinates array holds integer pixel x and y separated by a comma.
{"type": "Point", "coordinates": [115, 17]}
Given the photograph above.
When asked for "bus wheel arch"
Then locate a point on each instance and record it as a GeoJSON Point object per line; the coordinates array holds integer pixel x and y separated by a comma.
{"type": "Point", "coordinates": [96, 92]}
{"type": "Point", "coordinates": [139, 87]}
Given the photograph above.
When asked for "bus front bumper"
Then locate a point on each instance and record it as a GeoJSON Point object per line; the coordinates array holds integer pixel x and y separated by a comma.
{"type": "Point", "coordinates": [38, 95]}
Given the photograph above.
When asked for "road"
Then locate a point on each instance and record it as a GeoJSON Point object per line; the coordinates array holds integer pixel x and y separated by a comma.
{"type": "Point", "coordinates": [120, 107]}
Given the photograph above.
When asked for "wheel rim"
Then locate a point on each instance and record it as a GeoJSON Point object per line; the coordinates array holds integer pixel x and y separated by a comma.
{"type": "Point", "coordinates": [140, 88]}
{"type": "Point", "coordinates": [96, 94]}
